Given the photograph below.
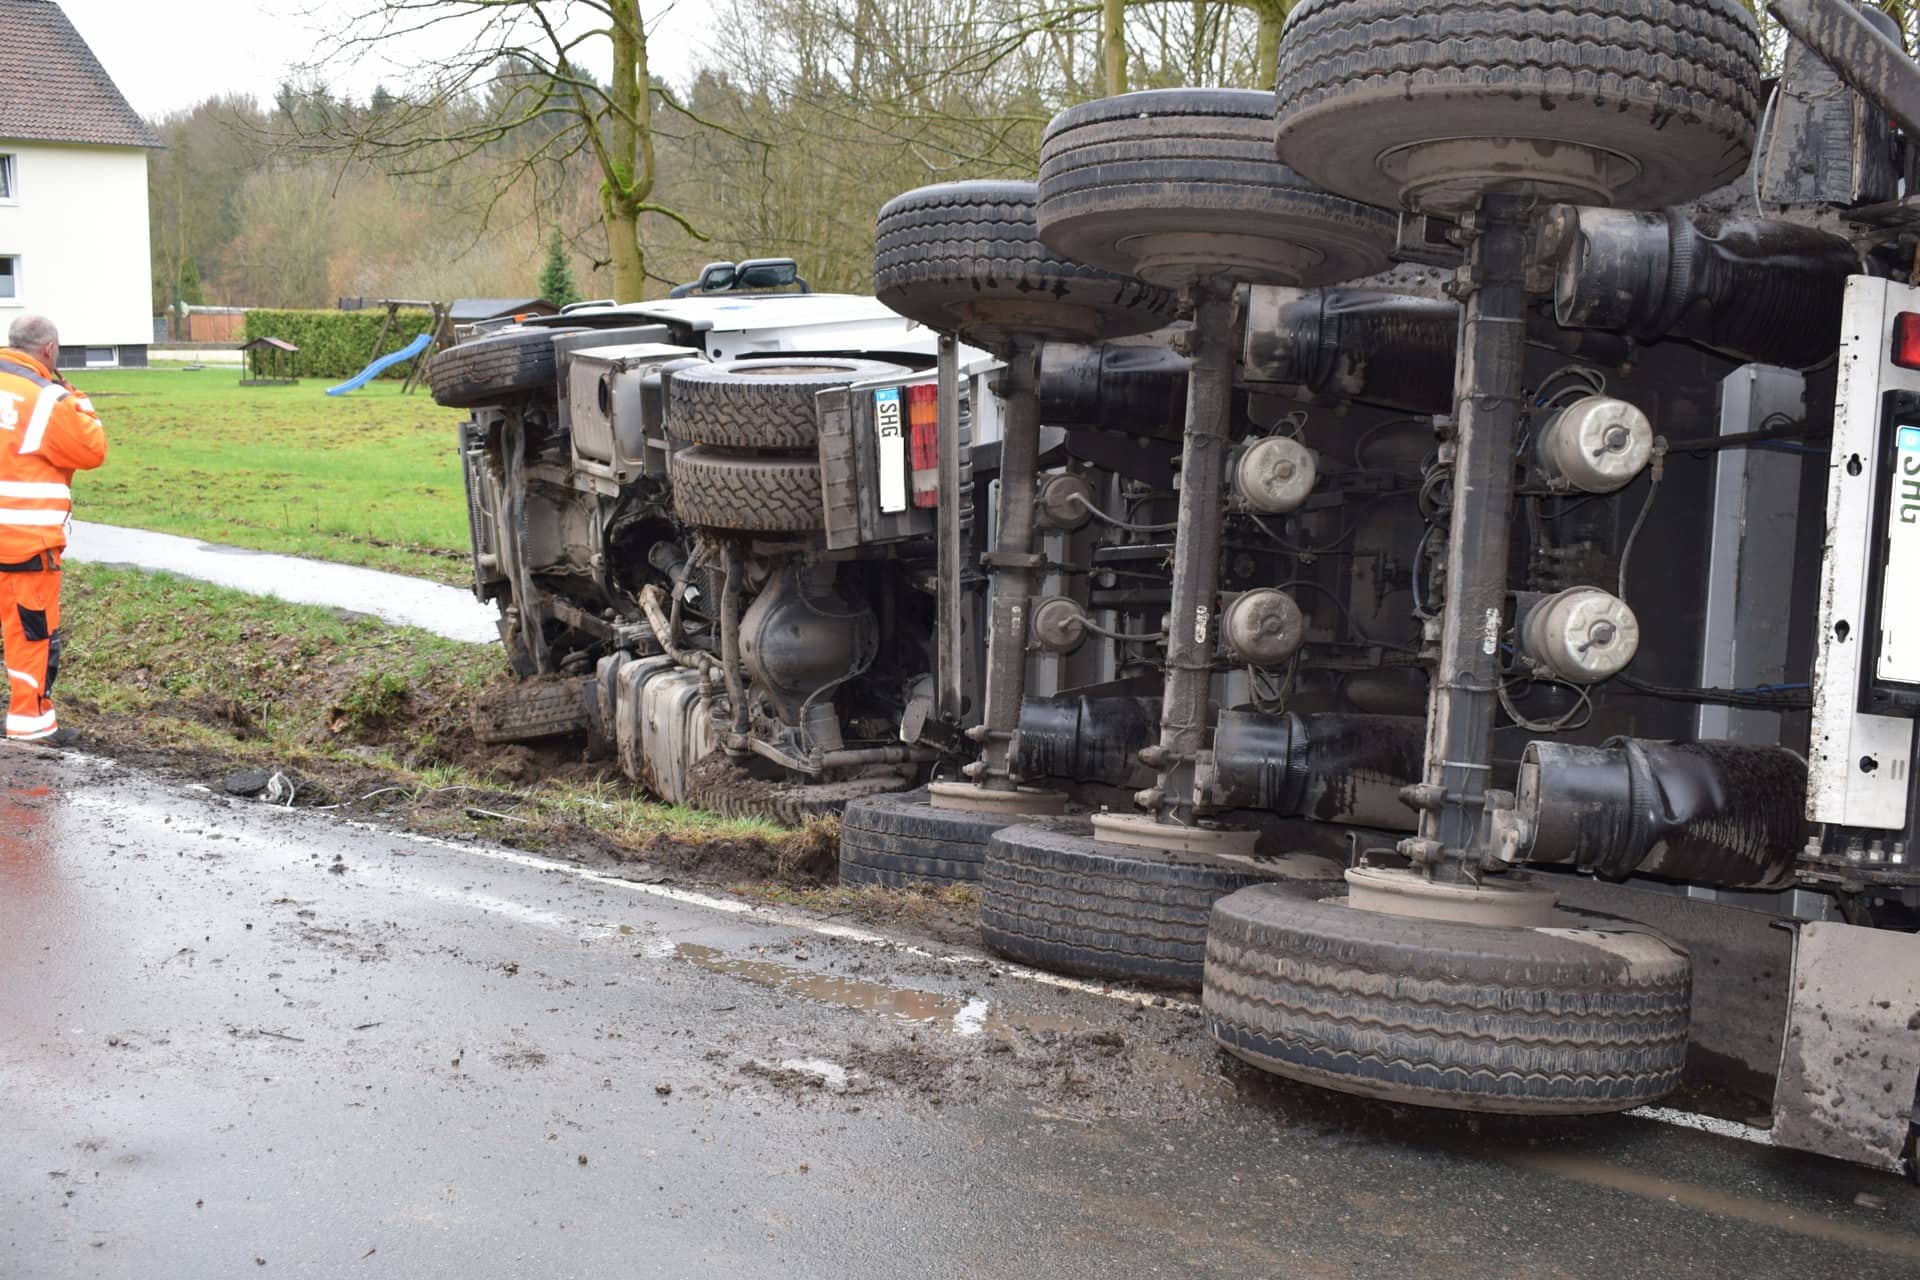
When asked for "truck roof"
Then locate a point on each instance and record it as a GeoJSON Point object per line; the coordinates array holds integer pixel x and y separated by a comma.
{"type": "Point", "coordinates": [740, 324]}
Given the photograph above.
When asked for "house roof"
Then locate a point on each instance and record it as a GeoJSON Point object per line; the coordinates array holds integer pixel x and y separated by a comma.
{"type": "Point", "coordinates": [468, 310]}
{"type": "Point", "coordinates": [52, 88]}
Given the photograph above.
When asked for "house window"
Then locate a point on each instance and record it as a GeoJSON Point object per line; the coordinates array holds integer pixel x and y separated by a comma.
{"type": "Point", "coordinates": [9, 278]}
{"type": "Point", "coordinates": [9, 181]}
{"type": "Point", "coordinates": [102, 357]}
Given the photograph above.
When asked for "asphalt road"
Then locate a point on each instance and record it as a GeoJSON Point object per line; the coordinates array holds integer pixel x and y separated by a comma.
{"type": "Point", "coordinates": [238, 1041]}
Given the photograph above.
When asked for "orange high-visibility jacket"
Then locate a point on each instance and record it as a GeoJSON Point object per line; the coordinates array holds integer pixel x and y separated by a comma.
{"type": "Point", "coordinates": [48, 431]}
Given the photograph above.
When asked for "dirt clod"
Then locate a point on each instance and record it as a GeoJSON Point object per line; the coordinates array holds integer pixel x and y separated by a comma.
{"type": "Point", "coordinates": [245, 782]}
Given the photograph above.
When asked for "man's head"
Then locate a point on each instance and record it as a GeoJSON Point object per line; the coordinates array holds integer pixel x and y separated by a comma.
{"type": "Point", "coordinates": [34, 335]}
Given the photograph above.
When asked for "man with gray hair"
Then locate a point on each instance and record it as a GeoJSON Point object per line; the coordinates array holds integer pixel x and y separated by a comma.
{"type": "Point", "coordinates": [48, 431]}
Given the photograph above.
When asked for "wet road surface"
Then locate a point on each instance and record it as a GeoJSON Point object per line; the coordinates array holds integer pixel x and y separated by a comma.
{"type": "Point", "coordinates": [409, 602]}
{"type": "Point", "coordinates": [240, 1041]}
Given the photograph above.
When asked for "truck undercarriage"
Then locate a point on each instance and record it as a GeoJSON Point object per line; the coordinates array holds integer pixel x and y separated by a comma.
{"type": "Point", "coordinates": [1448, 598]}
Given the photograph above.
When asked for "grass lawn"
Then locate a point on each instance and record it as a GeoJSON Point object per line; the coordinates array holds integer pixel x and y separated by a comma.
{"type": "Point", "coordinates": [371, 478]}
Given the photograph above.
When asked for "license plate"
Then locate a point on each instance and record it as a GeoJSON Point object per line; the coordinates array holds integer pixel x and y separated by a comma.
{"type": "Point", "coordinates": [1900, 584]}
{"type": "Point", "coordinates": [890, 448]}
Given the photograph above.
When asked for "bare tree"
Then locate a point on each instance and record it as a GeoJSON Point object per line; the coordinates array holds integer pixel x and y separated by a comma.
{"type": "Point", "coordinates": [516, 101]}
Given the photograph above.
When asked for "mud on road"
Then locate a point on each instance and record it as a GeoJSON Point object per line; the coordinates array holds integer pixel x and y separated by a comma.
{"type": "Point", "coordinates": [233, 1032]}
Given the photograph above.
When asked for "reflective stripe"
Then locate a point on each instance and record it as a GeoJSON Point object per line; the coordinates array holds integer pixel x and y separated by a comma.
{"type": "Point", "coordinates": [34, 489]}
{"type": "Point", "coordinates": [40, 519]}
{"type": "Point", "coordinates": [21, 371]}
{"type": "Point", "coordinates": [42, 414]}
{"type": "Point", "coordinates": [30, 726]}
{"type": "Point", "coordinates": [84, 403]}
{"type": "Point", "coordinates": [23, 675]}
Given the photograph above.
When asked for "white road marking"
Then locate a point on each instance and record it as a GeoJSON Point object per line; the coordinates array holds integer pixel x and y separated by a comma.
{"type": "Point", "coordinates": [1705, 1124]}
{"type": "Point", "coordinates": [772, 915]}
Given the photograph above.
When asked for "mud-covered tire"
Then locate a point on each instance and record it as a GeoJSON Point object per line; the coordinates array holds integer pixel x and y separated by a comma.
{"type": "Point", "coordinates": [1670, 86]}
{"type": "Point", "coordinates": [496, 368]}
{"type": "Point", "coordinates": [966, 257]}
{"type": "Point", "coordinates": [1587, 1016]}
{"type": "Point", "coordinates": [760, 404]}
{"type": "Point", "coordinates": [901, 840]}
{"type": "Point", "coordinates": [530, 709]}
{"type": "Point", "coordinates": [750, 494]}
{"type": "Point", "coordinates": [1174, 184]}
{"type": "Point", "coordinates": [719, 787]}
{"type": "Point", "coordinates": [1053, 896]}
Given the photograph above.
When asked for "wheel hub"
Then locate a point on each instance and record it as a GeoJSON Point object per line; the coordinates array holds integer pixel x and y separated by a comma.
{"type": "Point", "coordinates": [1177, 259]}
{"type": "Point", "coordinates": [1142, 832]}
{"type": "Point", "coordinates": [1450, 175]}
{"type": "Point", "coordinates": [1023, 801]}
{"type": "Point", "coordinates": [1510, 902]}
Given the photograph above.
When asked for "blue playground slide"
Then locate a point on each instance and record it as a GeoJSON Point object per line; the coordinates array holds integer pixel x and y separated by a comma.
{"type": "Point", "coordinates": [381, 365]}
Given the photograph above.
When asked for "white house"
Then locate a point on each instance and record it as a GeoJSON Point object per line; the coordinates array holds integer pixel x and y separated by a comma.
{"type": "Point", "coordinates": [73, 192]}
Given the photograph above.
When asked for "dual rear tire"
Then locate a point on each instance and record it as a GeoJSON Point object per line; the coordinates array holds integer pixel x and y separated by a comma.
{"type": "Point", "coordinates": [752, 465]}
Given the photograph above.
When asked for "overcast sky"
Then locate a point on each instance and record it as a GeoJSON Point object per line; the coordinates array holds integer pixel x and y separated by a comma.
{"type": "Point", "coordinates": [168, 54]}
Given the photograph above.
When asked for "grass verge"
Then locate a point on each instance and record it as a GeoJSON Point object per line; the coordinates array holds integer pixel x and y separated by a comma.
{"type": "Point", "coordinates": [372, 478]}
{"type": "Point", "coordinates": [367, 717]}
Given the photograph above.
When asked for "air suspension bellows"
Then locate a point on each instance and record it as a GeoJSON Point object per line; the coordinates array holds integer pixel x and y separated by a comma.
{"type": "Point", "coordinates": [1714, 813]}
{"type": "Point", "coordinates": [1355, 344]}
{"type": "Point", "coordinates": [1332, 768]}
{"type": "Point", "coordinates": [1389, 349]}
{"type": "Point", "coordinates": [1086, 739]}
{"type": "Point", "coordinates": [1134, 388]}
{"type": "Point", "coordinates": [1751, 287]}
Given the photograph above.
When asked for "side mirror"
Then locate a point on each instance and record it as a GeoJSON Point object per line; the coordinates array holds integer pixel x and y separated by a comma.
{"type": "Point", "coordinates": [767, 274]}
{"type": "Point", "coordinates": [715, 277]}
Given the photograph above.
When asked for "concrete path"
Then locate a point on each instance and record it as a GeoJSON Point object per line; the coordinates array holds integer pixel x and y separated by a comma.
{"type": "Point", "coordinates": [244, 1041]}
{"type": "Point", "coordinates": [411, 602]}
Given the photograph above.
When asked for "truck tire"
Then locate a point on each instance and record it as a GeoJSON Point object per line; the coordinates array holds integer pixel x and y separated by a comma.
{"type": "Point", "coordinates": [1525, 97]}
{"type": "Point", "coordinates": [760, 404]}
{"type": "Point", "coordinates": [966, 257]}
{"type": "Point", "coordinates": [496, 368]}
{"type": "Point", "coordinates": [1174, 185]}
{"type": "Point", "coordinates": [717, 786]}
{"type": "Point", "coordinates": [530, 709]}
{"type": "Point", "coordinates": [1053, 896]}
{"type": "Point", "coordinates": [901, 840]}
{"type": "Point", "coordinates": [751, 494]}
{"type": "Point", "coordinates": [1583, 1018]}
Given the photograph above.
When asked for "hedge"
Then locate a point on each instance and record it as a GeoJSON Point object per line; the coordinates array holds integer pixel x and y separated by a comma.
{"type": "Point", "coordinates": [338, 344]}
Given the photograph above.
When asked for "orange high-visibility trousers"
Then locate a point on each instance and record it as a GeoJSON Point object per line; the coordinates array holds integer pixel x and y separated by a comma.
{"type": "Point", "coordinates": [30, 633]}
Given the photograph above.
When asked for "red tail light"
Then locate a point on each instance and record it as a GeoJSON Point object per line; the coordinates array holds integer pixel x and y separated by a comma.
{"type": "Point", "coordinates": [923, 421]}
{"type": "Point", "coordinates": [1906, 340]}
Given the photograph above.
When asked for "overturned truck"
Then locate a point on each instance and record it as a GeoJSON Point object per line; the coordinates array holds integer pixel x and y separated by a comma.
{"type": "Point", "coordinates": [1427, 556]}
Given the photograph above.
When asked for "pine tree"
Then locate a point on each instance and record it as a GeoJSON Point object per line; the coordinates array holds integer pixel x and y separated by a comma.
{"type": "Point", "coordinates": [190, 291]}
{"type": "Point", "coordinates": [556, 277]}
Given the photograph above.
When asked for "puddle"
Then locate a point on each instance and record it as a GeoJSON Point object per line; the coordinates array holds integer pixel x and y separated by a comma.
{"type": "Point", "coordinates": [831, 1074]}
{"type": "Point", "coordinates": [967, 1018]}
{"type": "Point", "coordinates": [1766, 1214]}
{"type": "Point", "coordinates": [906, 1004]}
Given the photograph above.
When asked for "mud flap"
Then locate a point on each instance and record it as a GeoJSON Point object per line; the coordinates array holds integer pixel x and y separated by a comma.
{"type": "Point", "coordinates": [1851, 1059]}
